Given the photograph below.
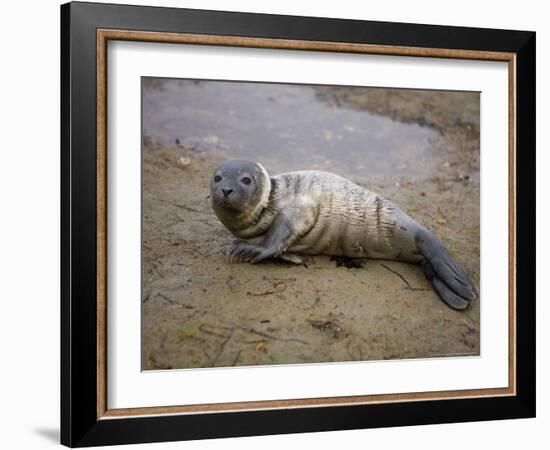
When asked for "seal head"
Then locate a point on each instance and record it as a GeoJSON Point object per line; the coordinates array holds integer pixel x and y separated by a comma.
{"type": "Point", "coordinates": [239, 191]}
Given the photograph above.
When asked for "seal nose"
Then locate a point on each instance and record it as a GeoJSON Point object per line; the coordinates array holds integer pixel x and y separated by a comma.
{"type": "Point", "coordinates": [226, 192]}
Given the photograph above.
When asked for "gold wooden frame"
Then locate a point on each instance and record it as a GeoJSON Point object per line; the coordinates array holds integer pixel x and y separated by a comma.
{"type": "Point", "coordinates": [103, 36]}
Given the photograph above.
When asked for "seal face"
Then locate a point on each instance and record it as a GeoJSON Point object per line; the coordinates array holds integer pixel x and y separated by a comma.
{"type": "Point", "coordinates": [238, 190]}
{"type": "Point", "coordinates": [235, 185]}
{"type": "Point", "coordinates": [317, 212]}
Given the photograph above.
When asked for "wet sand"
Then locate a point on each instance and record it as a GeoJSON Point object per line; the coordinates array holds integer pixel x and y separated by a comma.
{"type": "Point", "coordinates": [201, 311]}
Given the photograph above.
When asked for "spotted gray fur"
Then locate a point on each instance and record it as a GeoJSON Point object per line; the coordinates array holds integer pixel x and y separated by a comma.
{"type": "Point", "coordinates": [315, 212]}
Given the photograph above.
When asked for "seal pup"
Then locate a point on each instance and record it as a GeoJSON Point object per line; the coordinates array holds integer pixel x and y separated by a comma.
{"type": "Point", "coordinates": [314, 212]}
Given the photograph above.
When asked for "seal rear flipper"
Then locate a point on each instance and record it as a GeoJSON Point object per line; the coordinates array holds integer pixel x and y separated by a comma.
{"type": "Point", "coordinates": [448, 296]}
{"type": "Point", "coordinates": [450, 280]}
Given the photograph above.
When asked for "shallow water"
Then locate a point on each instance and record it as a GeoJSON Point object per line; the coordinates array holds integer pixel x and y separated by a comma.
{"type": "Point", "coordinates": [285, 127]}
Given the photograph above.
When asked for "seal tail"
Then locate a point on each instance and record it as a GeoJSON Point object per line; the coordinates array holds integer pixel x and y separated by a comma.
{"type": "Point", "coordinates": [449, 279]}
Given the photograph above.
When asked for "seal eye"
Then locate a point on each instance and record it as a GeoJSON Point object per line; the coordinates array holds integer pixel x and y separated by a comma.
{"type": "Point", "coordinates": [246, 180]}
{"type": "Point", "coordinates": [217, 179]}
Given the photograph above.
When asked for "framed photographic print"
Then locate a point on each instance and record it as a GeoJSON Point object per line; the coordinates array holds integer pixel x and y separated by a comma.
{"type": "Point", "coordinates": [276, 224]}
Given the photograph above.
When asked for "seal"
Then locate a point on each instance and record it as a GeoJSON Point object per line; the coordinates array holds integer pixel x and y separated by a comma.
{"type": "Point", "coordinates": [314, 212]}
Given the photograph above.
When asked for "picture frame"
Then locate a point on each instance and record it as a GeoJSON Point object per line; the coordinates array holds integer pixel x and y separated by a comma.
{"type": "Point", "coordinates": [86, 418]}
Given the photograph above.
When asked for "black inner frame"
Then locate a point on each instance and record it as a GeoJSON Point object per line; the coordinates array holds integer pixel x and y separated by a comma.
{"type": "Point", "coordinates": [79, 424]}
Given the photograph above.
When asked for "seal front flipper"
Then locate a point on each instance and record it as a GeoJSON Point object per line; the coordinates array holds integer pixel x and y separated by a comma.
{"type": "Point", "coordinates": [285, 229]}
{"type": "Point", "coordinates": [290, 224]}
{"type": "Point", "coordinates": [280, 235]}
{"type": "Point", "coordinates": [242, 251]}
{"type": "Point", "coordinates": [449, 279]}
{"type": "Point", "coordinates": [277, 239]}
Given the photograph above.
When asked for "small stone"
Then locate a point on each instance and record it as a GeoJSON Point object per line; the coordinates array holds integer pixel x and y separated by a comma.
{"type": "Point", "coordinates": [184, 162]}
